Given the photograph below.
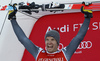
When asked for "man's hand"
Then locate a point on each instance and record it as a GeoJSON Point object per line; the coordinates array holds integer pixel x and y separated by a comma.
{"type": "Point", "coordinates": [88, 13]}
{"type": "Point", "coordinates": [12, 13]}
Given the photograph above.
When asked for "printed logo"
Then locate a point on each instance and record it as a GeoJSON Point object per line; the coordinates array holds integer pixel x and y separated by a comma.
{"type": "Point", "coordinates": [3, 7]}
{"type": "Point", "coordinates": [51, 59]}
{"type": "Point", "coordinates": [85, 45]}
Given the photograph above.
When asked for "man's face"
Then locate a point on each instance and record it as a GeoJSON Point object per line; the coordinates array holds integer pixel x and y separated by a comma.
{"type": "Point", "coordinates": [51, 44]}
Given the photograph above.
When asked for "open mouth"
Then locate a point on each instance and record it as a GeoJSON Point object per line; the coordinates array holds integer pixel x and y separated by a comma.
{"type": "Point", "coordinates": [49, 46]}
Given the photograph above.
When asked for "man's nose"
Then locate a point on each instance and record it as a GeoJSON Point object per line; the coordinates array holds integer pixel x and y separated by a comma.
{"type": "Point", "coordinates": [49, 42]}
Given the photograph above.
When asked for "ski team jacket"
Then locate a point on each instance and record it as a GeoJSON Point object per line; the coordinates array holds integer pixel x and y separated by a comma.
{"type": "Point", "coordinates": [42, 55]}
{"type": "Point", "coordinates": [56, 56]}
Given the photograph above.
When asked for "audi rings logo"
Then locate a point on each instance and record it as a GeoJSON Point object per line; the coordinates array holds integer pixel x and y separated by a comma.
{"type": "Point", "coordinates": [85, 45]}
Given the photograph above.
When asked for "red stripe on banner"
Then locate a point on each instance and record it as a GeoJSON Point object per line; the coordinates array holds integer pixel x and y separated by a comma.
{"type": "Point", "coordinates": [77, 6]}
{"type": "Point", "coordinates": [91, 6]}
{"type": "Point", "coordinates": [68, 25]}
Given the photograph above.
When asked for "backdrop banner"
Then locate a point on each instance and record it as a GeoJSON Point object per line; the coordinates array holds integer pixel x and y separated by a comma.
{"type": "Point", "coordinates": [68, 25]}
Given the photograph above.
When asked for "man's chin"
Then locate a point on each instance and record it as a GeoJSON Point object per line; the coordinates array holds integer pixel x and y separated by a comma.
{"type": "Point", "coordinates": [49, 50]}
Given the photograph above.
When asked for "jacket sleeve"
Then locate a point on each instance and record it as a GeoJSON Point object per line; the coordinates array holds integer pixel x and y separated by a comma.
{"type": "Point", "coordinates": [71, 48]}
{"type": "Point", "coordinates": [23, 39]}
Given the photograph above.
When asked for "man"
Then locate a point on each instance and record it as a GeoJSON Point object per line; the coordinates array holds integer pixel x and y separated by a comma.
{"type": "Point", "coordinates": [52, 39]}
